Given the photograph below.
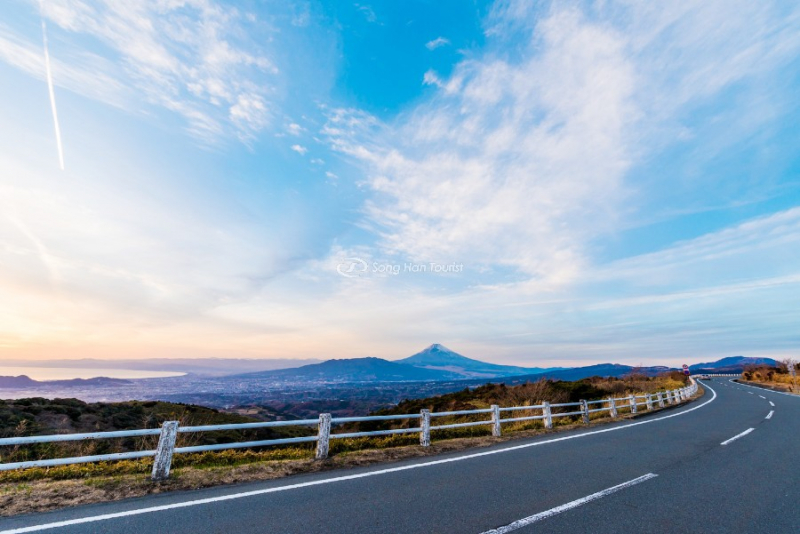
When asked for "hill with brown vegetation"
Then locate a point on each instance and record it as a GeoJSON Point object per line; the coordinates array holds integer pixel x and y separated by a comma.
{"type": "Point", "coordinates": [554, 391]}
{"type": "Point", "coordinates": [775, 377]}
{"type": "Point", "coordinates": [39, 416]}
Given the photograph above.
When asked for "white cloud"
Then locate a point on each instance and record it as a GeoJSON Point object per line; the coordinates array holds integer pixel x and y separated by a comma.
{"type": "Point", "coordinates": [489, 174]}
{"type": "Point", "coordinates": [249, 113]}
{"type": "Point", "coordinates": [295, 129]}
{"type": "Point", "coordinates": [192, 58]}
{"type": "Point", "coordinates": [728, 256]}
{"type": "Point", "coordinates": [85, 73]}
{"type": "Point", "coordinates": [711, 295]}
{"type": "Point", "coordinates": [436, 43]}
{"type": "Point", "coordinates": [300, 149]}
{"type": "Point", "coordinates": [431, 78]}
{"type": "Point", "coordinates": [522, 163]}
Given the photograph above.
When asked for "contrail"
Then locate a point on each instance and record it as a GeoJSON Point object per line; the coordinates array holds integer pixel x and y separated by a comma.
{"type": "Point", "coordinates": [52, 94]}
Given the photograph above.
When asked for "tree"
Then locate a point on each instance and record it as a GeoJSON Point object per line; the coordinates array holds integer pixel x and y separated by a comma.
{"type": "Point", "coordinates": [791, 367]}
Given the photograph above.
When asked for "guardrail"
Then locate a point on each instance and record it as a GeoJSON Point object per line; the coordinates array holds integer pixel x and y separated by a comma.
{"type": "Point", "coordinates": [170, 429]}
{"type": "Point", "coordinates": [718, 374]}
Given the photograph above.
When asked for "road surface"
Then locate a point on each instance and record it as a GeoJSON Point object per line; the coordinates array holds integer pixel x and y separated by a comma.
{"type": "Point", "coordinates": [728, 462]}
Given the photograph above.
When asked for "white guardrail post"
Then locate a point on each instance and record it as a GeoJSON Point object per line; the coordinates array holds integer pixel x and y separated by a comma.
{"type": "Point", "coordinates": [496, 431]}
{"type": "Point", "coordinates": [166, 446]}
{"type": "Point", "coordinates": [660, 399]}
{"type": "Point", "coordinates": [585, 410]}
{"type": "Point", "coordinates": [649, 401]}
{"type": "Point", "coordinates": [634, 408]}
{"type": "Point", "coordinates": [323, 436]}
{"type": "Point", "coordinates": [425, 428]}
{"type": "Point", "coordinates": [612, 407]}
{"type": "Point", "coordinates": [547, 412]}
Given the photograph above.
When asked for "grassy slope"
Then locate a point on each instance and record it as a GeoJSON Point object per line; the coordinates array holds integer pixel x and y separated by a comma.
{"type": "Point", "coordinates": [39, 416]}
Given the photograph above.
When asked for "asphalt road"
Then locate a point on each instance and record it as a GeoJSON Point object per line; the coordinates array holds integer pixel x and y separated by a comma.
{"type": "Point", "coordinates": [666, 472]}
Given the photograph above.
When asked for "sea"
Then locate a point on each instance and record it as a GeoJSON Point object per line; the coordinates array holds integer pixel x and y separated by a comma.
{"type": "Point", "coordinates": [68, 373]}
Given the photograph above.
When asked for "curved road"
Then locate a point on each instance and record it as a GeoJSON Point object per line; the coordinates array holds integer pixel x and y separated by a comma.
{"type": "Point", "coordinates": [728, 462]}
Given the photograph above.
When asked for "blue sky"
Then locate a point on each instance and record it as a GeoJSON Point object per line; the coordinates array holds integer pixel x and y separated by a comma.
{"type": "Point", "coordinates": [553, 184]}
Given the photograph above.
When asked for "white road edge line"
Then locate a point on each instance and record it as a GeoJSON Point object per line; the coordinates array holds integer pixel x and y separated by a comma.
{"type": "Point", "coordinates": [762, 389]}
{"type": "Point", "coordinates": [737, 436]}
{"type": "Point", "coordinates": [769, 415]}
{"type": "Point", "coordinates": [771, 403]}
{"type": "Point", "coordinates": [209, 500]}
{"type": "Point", "coordinates": [524, 522]}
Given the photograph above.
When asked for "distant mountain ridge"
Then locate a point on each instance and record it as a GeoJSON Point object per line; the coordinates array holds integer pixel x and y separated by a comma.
{"type": "Point", "coordinates": [21, 381]}
{"type": "Point", "coordinates": [615, 370]}
{"type": "Point", "coordinates": [731, 364]}
{"type": "Point", "coordinates": [197, 366]}
{"type": "Point", "coordinates": [441, 358]}
{"type": "Point", "coordinates": [434, 363]}
{"type": "Point", "coordinates": [24, 381]}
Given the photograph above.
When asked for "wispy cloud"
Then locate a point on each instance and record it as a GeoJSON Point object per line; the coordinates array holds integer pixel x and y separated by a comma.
{"type": "Point", "coordinates": [436, 43]}
{"type": "Point", "coordinates": [295, 129]}
{"type": "Point", "coordinates": [431, 78]}
{"type": "Point", "coordinates": [727, 256]}
{"type": "Point", "coordinates": [300, 149]}
{"type": "Point", "coordinates": [522, 161]}
{"type": "Point", "coordinates": [368, 12]}
{"type": "Point", "coordinates": [488, 171]}
{"type": "Point", "coordinates": [192, 58]}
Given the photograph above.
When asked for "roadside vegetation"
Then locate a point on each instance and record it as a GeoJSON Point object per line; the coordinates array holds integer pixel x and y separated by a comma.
{"type": "Point", "coordinates": [778, 378]}
{"type": "Point", "coordinates": [39, 489]}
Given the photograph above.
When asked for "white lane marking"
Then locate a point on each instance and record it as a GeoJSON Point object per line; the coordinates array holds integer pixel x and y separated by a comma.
{"type": "Point", "coordinates": [763, 397]}
{"type": "Point", "coordinates": [750, 392]}
{"type": "Point", "coordinates": [771, 403]}
{"type": "Point", "coordinates": [769, 415]}
{"type": "Point", "coordinates": [569, 506]}
{"type": "Point", "coordinates": [737, 436]}
{"type": "Point", "coordinates": [209, 500]}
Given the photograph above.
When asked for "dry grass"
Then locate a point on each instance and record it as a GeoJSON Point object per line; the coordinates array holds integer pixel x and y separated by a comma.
{"type": "Point", "coordinates": [773, 385]}
{"type": "Point", "coordinates": [55, 489]}
{"type": "Point", "coordinates": [776, 378]}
